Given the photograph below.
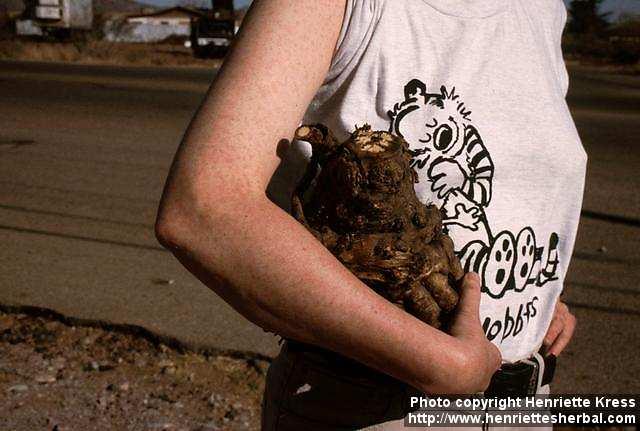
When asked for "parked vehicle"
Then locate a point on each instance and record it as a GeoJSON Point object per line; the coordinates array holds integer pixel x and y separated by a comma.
{"type": "Point", "coordinates": [213, 32]}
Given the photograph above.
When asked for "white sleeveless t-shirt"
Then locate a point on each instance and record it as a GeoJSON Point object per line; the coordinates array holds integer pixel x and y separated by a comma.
{"type": "Point", "coordinates": [477, 88]}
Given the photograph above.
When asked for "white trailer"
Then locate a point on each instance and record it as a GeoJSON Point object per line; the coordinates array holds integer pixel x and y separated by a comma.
{"type": "Point", "coordinates": [55, 17]}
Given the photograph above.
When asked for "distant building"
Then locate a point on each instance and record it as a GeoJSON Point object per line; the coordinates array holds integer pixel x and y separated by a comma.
{"type": "Point", "coordinates": [175, 16]}
{"type": "Point", "coordinates": [153, 26]}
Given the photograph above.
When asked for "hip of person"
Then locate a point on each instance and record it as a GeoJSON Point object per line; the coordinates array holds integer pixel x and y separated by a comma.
{"type": "Point", "coordinates": [314, 389]}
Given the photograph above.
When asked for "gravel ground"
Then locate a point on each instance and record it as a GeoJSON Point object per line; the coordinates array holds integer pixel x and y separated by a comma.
{"type": "Point", "coordinates": [56, 376]}
{"type": "Point", "coordinates": [60, 377]}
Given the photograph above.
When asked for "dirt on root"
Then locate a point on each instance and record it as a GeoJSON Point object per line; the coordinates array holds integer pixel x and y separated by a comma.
{"type": "Point", "coordinates": [56, 376]}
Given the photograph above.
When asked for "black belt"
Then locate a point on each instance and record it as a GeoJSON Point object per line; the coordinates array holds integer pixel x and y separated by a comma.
{"type": "Point", "coordinates": [522, 378]}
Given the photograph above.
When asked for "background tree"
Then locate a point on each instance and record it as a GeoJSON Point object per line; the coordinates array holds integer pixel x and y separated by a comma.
{"type": "Point", "coordinates": [585, 17]}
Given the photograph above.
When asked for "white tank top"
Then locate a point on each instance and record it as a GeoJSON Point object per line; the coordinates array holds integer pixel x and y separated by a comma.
{"type": "Point", "coordinates": [477, 88]}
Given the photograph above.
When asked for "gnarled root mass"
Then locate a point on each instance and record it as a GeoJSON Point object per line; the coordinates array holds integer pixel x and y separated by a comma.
{"type": "Point", "coordinates": [358, 199]}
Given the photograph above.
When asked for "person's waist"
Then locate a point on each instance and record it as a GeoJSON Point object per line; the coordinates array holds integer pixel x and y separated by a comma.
{"type": "Point", "coordinates": [518, 378]}
{"type": "Point", "coordinates": [339, 364]}
{"type": "Point", "coordinates": [524, 377]}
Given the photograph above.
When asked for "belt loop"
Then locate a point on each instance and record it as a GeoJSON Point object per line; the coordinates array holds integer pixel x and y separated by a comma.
{"type": "Point", "coordinates": [540, 360]}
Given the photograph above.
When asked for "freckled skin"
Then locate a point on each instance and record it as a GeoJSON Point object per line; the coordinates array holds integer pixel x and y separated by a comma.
{"type": "Point", "coordinates": [216, 218]}
{"type": "Point", "coordinates": [363, 208]}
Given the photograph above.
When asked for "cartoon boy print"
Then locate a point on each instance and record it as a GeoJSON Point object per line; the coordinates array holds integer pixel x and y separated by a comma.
{"type": "Point", "coordinates": [452, 160]}
{"type": "Point", "coordinates": [448, 154]}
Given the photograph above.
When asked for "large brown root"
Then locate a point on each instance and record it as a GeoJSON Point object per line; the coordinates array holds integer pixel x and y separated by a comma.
{"type": "Point", "coordinates": [358, 199]}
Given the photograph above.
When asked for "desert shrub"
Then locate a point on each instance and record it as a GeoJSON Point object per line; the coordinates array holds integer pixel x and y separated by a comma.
{"type": "Point", "coordinates": [601, 50]}
{"type": "Point", "coordinates": [625, 53]}
{"type": "Point", "coordinates": [587, 46]}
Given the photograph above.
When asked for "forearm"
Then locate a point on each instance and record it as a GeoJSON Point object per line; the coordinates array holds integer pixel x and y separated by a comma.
{"type": "Point", "coordinates": [217, 220]}
{"type": "Point", "coordinates": [268, 267]}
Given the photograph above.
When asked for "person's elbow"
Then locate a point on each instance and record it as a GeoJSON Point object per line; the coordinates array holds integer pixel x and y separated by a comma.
{"type": "Point", "coordinates": [173, 224]}
{"type": "Point", "coordinates": [185, 202]}
{"type": "Point", "coordinates": [189, 212]}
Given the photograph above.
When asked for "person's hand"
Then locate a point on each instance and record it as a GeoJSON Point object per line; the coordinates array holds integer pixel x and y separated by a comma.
{"type": "Point", "coordinates": [480, 358]}
{"type": "Point", "coordinates": [563, 324]}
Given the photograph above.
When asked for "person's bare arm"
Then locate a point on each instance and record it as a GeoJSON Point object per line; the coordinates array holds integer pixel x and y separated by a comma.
{"type": "Point", "coordinates": [215, 216]}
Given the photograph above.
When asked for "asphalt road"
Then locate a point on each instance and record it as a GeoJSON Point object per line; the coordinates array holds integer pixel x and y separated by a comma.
{"type": "Point", "coordinates": [84, 151]}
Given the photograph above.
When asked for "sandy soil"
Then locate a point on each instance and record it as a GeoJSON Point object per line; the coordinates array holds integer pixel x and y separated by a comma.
{"type": "Point", "coordinates": [56, 376]}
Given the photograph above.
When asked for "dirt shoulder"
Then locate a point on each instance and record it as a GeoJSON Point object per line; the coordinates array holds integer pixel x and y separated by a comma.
{"type": "Point", "coordinates": [58, 376]}
{"type": "Point", "coordinates": [102, 52]}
